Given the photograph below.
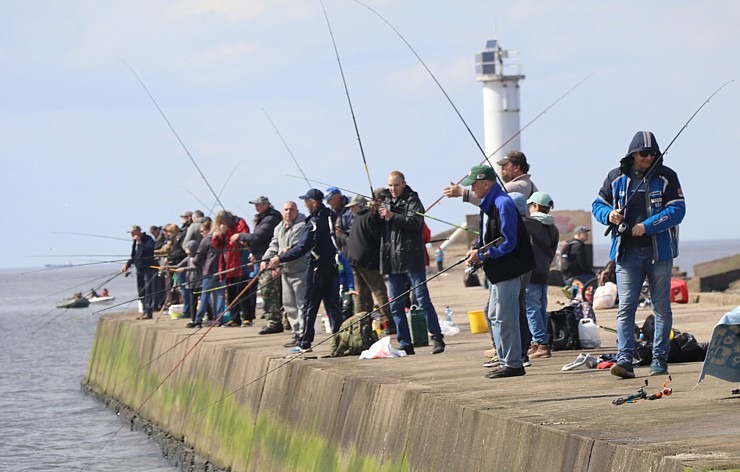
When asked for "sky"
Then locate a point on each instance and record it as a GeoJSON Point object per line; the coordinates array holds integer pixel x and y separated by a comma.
{"type": "Point", "coordinates": [84, 149]}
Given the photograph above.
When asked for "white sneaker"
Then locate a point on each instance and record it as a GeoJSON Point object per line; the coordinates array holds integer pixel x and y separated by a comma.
{"type": "Point", "coordinates": [583, 361]}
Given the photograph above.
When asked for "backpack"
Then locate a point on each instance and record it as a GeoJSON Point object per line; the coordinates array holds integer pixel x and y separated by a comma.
{"type": "Point", "coordinates": [563, 257]}
{"type": "Point", "coordinates": [355, 335]}
{"type": "Point", "coordinates": [562, 326]}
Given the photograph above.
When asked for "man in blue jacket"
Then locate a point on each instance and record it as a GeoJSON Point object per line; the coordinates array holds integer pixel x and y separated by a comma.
{"type": "Point", "coordinates": [643, 203]}
{"type": "Point", "coordinates": [322, 280]}
{"type": "Point", "coordinates": [506, 261]}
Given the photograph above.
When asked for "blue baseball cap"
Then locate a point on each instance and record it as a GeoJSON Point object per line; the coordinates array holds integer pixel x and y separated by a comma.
{"type": "Point", "coordinates": [331, 191]}
{"type": "Point", "coordinates": [313, 194]}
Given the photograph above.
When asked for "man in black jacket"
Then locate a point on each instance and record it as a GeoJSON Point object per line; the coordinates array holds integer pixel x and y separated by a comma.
{"type": "Point", "coordinates": [322, 278]}
{"type": "Point", "coordinates": [363, 254]}
{"type": "Point", "coordinates": [266, 218]}
{"type": "Point", "coordinates": [402, 252]}
{"type": "Point", "coordinates": [142, 257]}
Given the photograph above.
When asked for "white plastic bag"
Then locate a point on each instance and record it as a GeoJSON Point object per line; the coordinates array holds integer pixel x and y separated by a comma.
{"type": "Point", "coordinates": [448, 328]}
{"type": "Point", "coordinates": [589, 334]}
{"type": "Point", "coordinates": [381, 349]}
{"type": "Point", "coordinates": [605, 296]}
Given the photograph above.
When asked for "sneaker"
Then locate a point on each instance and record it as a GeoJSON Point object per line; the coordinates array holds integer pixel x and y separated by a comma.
{"type": "Point", "coordinates": [246, 323]}
{"type": "Point", "coordinates": [583, 361]}
{"type": "Point", "coordinates": [232, 324]}
{"type": "Point", "coordinates": [409, 349]}
{"type": "Point", "coordinates": [623, 369]}
{"type": "Point", "coordinates": [439, 346]}
{"type": "Point", "coordinates": [193, 325]}
{"type": "Point", "coordinates": [541, 351]}
{"type": "Point", "coordinates": [493, 362]}
{"type": "Point", "coordinates": [526, 363]}
{"type": "Point", "coordinates": [292, 343]}
{"type": "Point", "coordinates": [490, 352]}
{"type": "Point", "coordinates": [299, 350]}
{"type": "Point", "coordinates": [658, 367]}
{"type": "Point", "coordinates": [532, 349]}
{"type": "Point", "coordinates": [272, 329]}
{"type": "Point", "coordinates": [505, 372]}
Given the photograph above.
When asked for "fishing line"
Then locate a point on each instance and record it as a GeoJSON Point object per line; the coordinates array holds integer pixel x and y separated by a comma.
{"type": "Point", "coordinates": [424, 215]}
{"type": "Point", "coordinates": [91, 235]}
{"type": "Point", "coordinates": [622, 227]}
{"type": "Point", "coordinates": [136, 411]}
{"type": "Point", "coordinates": [349, 101]}
{"type": "Point", "coordinates": [46, 269]}
{"type": "Point", "coordinates": [213, 207]}
{"type": "Point", "coordinates": [288, 148]}
{"type": "Point", "coordinates": [161, 112]}
{"type": "Point", "coordinates": [359, 320]}
{"type": "Point", "coordinates": [477, 143]}
{"type": "Point", "coordinates": [202, 203]}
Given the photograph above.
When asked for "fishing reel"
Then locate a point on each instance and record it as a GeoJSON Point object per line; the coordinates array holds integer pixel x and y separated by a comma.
{"type": "Point", "coordinates": [633, 397]}
{"type": "Point", "coordinates": [473, 268]}
{"type": "Point", "coordinates": [665, 392]}
{"type": "Point", "coordinates": [622, 227]}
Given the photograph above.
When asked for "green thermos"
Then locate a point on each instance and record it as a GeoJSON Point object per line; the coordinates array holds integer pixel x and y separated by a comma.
{"type": "Point", "coordinates": [418, 326]}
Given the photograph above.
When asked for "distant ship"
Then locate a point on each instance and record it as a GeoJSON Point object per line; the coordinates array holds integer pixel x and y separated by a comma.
{"type": "Point", "coordinates": [57, 266]}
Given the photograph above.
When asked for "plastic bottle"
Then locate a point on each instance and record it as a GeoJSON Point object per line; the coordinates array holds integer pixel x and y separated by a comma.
{"type": "Point", "coordinates": [376, 323]}
{"type": "Point", "coordinates": [448, 317]}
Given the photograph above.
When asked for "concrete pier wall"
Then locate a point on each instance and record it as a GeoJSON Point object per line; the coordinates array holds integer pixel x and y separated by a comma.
{"type": "Point", "coordinates": [245, 407]}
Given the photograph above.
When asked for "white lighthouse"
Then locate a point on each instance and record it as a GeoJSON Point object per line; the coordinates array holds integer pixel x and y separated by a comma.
{"type": "Point", "coordinates": [500, 73]}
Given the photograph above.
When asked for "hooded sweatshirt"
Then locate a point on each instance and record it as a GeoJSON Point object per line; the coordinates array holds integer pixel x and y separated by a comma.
{"type": "Point", "coordinates": [658, 197]}
{"type": "Point", "coordinates": [544, 236]}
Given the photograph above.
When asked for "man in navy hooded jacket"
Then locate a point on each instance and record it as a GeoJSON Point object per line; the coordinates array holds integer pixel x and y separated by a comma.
{"type": "Point", "coordinates": [643, 202]}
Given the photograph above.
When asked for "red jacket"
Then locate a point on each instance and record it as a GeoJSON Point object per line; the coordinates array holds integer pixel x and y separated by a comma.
{"type": "Point", "coordinates": [231, 257]}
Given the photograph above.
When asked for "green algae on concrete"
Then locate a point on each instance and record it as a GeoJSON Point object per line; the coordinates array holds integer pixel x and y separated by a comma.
{"type": "Point", "coordinates": [207, 415]}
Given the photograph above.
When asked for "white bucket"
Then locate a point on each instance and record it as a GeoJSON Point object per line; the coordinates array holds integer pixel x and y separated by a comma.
{"type": "Point", "coordinates": [589, 334]}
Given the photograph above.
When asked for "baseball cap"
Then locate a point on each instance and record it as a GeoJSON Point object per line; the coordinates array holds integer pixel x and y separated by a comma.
{"type": "Point", "coordinates": [479, 173]}
{"type": "Point", "coordinates": [260, 199]}
{"type": "Point", "coordinates": [186, 214]}
{"type": "Point", "coordinates": [313, 194]}
{"type": "Point", "coordinates": [541, 198]}
{"type": "Point", "coordinates": [331, 191]}
{"type": "Point", "coordinates": [581, 229]}
{"type": "Point", "coordinates": [357, 200]}
{"type": "Point", "coordinates": [515, 157]}
{"type": "Point", "coordinates": [134, 228]}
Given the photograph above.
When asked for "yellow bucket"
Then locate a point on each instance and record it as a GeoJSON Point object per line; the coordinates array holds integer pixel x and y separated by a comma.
{"type": "Point", "coordinates": [477, 322]}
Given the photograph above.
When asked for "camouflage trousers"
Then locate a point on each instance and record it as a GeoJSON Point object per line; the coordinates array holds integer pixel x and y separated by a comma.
{"type": "Point", "coordinates": [271, 290]}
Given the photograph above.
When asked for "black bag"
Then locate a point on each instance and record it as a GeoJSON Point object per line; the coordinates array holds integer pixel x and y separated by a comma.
{"type": "Point", "coordinates": [471, 279]}
{"type": "Point", "coordinates": [562, 326]}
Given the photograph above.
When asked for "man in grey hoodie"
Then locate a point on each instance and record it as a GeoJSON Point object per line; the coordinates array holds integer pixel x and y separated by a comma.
{"type": "Point", "coordinates": [544, 235]}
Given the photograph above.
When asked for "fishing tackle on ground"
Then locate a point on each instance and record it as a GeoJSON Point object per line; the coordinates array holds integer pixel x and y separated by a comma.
{"type": "Point", "coordinates": [632, 398]}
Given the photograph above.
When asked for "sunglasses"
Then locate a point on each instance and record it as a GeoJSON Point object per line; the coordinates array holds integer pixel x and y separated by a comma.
{"type": "Point", "coordinates": [647, 153]}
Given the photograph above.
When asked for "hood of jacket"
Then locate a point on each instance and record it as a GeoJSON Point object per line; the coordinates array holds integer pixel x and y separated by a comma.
{"type": "Point", "coordinates": [641, 141]}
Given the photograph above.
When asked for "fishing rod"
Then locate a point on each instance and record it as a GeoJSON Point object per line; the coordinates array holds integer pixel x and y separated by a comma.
{"type": "Point", "coordinates": [290, 359]}
{"type": "Point", "coordinates": [74, 265]}
{"type": "Point", "coordinates": [349, 101]}
{"type": "Point", "coordinates": [444, 92]}
{"type": "Point", "coordinates": [177, 365]}
{"type": "Point", "coordinates": [228, 179]}
{"type": "Point", "coordinates": [203, 204]}
{"type": "Point", "coordinates": [161, 112]}
{"type": "Point", "coordinates": [623, 226]}
{"type": "Point", "coordinates": [287, 148]}
{"type": "Point", "coordinates": [424, 215]}
{"type": "Point", "coordinates": [91, 235]}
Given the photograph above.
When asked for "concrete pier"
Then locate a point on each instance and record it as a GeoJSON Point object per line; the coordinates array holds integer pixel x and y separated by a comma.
{"type": "Point", "coordinates": [241, 404]}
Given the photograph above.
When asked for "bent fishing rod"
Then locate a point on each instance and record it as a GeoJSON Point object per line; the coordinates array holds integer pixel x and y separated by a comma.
{"type": "Point", "coordinates": [444, 92]}
{"type": "Point", "coordinates": [623, 226]}
{"type": "Point", "coordinates": [299, 355]}
{"type": "Point", "coordinates": [349, 101]}
{"type": "Point", "coordinates": [228, 179]}
{"type": "Point", "coordinates": [172, 128]}
{"type": "Point", "coordinates": [417, 213]}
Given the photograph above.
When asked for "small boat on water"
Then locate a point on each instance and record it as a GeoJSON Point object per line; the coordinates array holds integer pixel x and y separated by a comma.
{"type": "Point", "coordinates": [74, 302]}
{"type": "Point", "coordinates": [102, 300]}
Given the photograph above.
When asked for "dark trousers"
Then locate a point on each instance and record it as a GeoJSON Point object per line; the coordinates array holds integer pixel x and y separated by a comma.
{"type": "Point", "coordinates": [146, 289]}
{"type": "Point", "coordinates": [233, 288]}
{"type": "Point", "coordinates": [322, 284]}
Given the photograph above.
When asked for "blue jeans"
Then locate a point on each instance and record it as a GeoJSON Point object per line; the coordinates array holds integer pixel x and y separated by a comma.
{"type": "Point", "coordinates": [397, 285]}
{"type": "Point", "coordinates": [503, 312]}
{"type": "Point", "coordinates": [636, 264]}
{"type": "Point", "coordinates": [210, 298]}
{"type": "Point", "coordinates": [537, 312]}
